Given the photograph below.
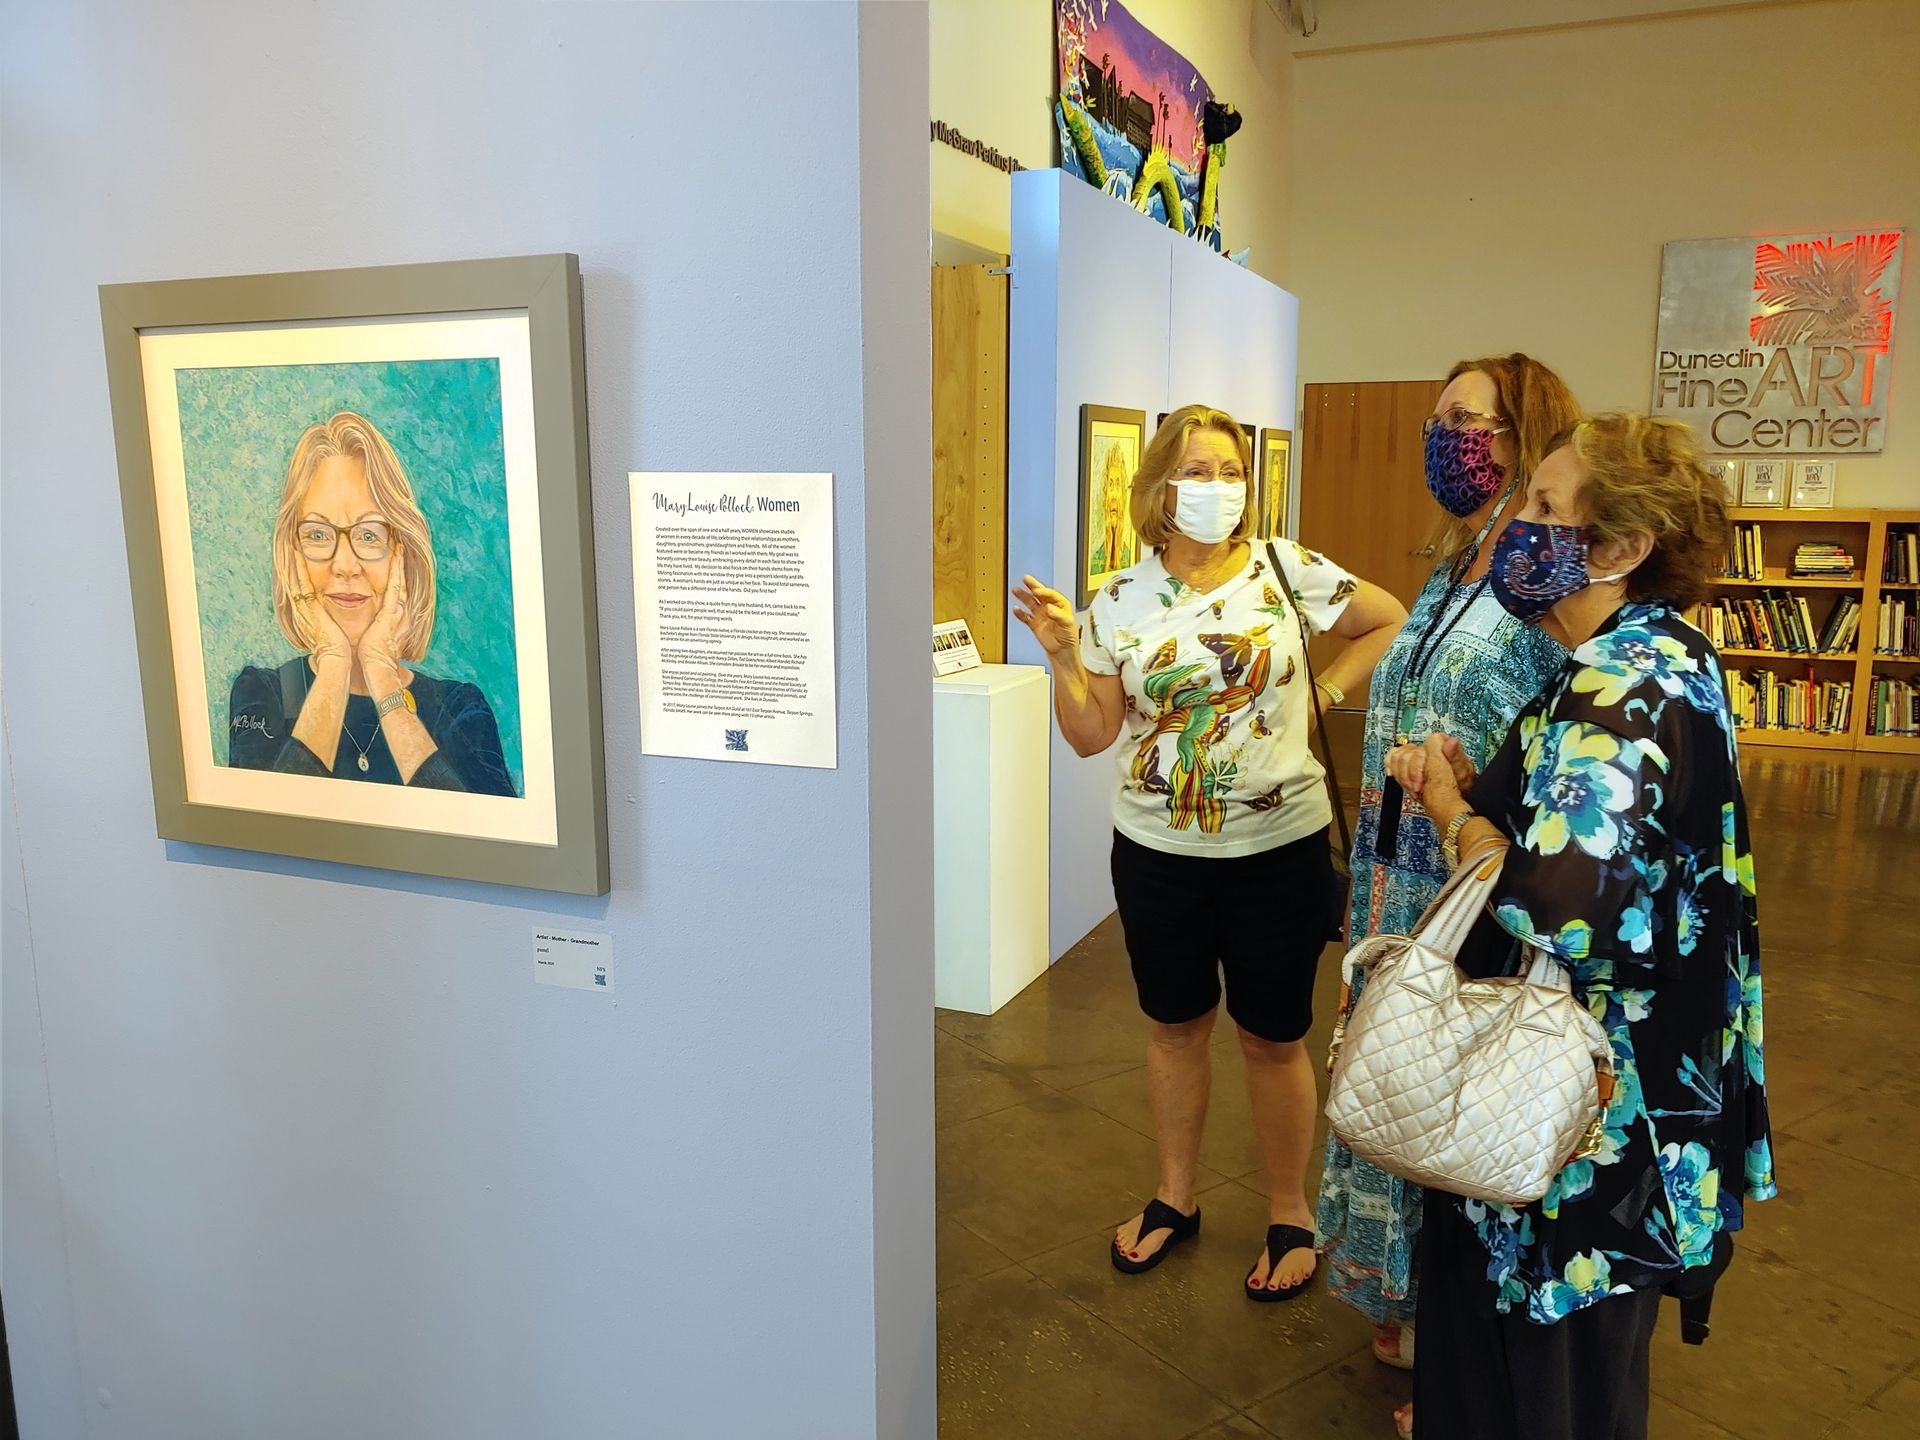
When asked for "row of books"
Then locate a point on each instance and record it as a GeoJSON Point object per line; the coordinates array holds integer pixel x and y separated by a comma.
{"type": "Point", "coordinates": [1894, 706]}
{"type": "Point", "coordinates": [1763, 700]}
{"type": "Point", "coordinates": [1746, 557]}
{"type": "Point", "coordinates": [1819, 560]}
{"type": "Point", "coordinates": [1899, 626]}
{"type": "Point", "coordinates": [1902, 565]}
{"type": "Point", "coordinates": [1776, 620]}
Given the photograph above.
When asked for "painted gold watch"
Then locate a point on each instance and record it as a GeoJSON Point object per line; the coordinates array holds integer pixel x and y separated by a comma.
{"type": "Point", "coordinates": [394, 701]}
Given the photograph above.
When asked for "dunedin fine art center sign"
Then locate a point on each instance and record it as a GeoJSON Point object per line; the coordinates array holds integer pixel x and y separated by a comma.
{"type": "Point", "coordinates": [1783, 344]}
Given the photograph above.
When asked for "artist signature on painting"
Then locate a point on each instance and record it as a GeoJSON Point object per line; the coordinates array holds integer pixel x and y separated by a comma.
{"type": "Point", "coordinates": [252, 722]}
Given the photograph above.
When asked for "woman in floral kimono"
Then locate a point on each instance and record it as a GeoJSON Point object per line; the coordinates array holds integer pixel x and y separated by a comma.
{"type": "Point", "coordinates": [1618, 796]}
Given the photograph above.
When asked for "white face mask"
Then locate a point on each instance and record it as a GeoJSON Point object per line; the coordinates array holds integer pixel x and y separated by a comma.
{"type": "Point", "coordinates": [1208, 510]}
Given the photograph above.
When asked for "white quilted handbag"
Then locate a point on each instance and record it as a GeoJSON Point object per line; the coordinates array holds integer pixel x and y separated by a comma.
{"type": "Point", "coordinates": [1484, 1088]}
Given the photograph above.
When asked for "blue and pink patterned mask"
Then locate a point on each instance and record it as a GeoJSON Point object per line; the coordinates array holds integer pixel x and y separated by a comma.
{"type": "Point", "coordinates": [1461, 470]}
{"type": "Point", "coordinates": [1536, 565]}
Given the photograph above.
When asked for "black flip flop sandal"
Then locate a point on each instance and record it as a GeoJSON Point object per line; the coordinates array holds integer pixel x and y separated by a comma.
{"type": "Point", "coordinates": [1157, 1216]}
{"type": "Point", "coordinates": [1280, 1240]}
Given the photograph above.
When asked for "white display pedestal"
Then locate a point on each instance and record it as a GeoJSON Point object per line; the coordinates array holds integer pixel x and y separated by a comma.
{"type": "Point", "coordinates": [992, 729]}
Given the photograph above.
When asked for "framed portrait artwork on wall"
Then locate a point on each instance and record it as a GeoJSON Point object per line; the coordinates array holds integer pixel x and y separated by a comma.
{"type": "Point", "coordinates": [1110, 444]}
{"type": "Point", "coordinates": [359, 537]}
{"type": "Point", "coordinates": [1276, 456]}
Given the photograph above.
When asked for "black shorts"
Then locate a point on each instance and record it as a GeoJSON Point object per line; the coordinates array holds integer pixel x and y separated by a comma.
{"type": "Point", "coordinates": [1261, 919]}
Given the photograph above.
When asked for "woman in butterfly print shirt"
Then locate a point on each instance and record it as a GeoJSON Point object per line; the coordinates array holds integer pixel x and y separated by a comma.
{"type": "Point", "coordinates": [1194, 656]}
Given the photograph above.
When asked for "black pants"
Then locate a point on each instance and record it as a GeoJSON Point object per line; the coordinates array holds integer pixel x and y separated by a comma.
{"type": "Point", "coordinates": [1482, 1375]}
{"type": "Point", "coordinates": [1260, 920]}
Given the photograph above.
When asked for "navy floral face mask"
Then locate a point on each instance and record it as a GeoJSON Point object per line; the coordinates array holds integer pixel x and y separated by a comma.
{"type": "Point", "coordinates": [1537, 565]}
{"type": "Point", "coordinates": [1461, 470]}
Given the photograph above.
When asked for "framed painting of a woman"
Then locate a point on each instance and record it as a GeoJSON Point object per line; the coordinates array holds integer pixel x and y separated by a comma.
{"type": "Point", "coordinates": [358, 535]}
{"type": "Point", "coordinates": [1110, 444]}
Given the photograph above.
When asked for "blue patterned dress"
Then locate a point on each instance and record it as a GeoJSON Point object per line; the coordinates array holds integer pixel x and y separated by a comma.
{"type": "Point", "coordinates": [1476, 680]}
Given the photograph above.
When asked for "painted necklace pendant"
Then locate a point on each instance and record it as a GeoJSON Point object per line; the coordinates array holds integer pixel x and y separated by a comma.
{"type": "Point", "coordinates": [362, 762]}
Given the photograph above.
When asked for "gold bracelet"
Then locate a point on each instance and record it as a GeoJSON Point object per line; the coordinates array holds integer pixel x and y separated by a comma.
{"type": "Point", "coordinates": [1450, 841]}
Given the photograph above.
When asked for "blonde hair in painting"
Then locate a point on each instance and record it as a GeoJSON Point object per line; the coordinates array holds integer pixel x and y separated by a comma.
{"type": "Point", "coordinates": [354, 437]}
{"type": "Point", "coordinates": [1163, 454]}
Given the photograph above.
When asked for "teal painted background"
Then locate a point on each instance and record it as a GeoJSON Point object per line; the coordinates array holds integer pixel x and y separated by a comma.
{"type": "Point", "coordinates": [238, 427]}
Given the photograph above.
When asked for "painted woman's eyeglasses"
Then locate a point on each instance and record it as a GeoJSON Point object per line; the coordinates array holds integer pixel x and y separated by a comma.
{"type": "Point", "coordinates": [319, 540]}
{"type": "Point", "coordinates": [1458, 418]}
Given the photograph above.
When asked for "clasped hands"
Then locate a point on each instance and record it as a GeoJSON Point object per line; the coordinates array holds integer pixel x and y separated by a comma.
{"type": "Point", "coordinates": [1436, 770]}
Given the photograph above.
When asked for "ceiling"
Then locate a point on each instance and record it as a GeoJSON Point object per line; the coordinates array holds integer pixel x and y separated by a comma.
{"type": "Point", "coordinates": [1345, 25]}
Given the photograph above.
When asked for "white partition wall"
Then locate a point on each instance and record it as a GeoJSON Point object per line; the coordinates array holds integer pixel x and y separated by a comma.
{"type": "Point", "coordinates": [1108, 308]}
{"type": "Point", "coordinates": [295, 1150]}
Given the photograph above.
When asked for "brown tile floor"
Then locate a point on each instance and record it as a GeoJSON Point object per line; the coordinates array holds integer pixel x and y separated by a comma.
{"type": "Point", "coordinates": [1045, 1145]}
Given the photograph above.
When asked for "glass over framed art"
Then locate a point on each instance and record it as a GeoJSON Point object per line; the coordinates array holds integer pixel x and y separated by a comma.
{"type": "Point", "coordinates": [359, 535]}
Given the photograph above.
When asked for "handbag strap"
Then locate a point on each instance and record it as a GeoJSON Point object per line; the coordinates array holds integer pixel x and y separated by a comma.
{"type": "Point", "coordinates": [1319, 716]}
{"type": "Point", "coordinates": [1447, 921]}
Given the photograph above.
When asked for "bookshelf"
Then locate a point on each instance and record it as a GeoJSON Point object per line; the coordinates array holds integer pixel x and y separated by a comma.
{"type": "Point", "coordinates": [1772, 601]}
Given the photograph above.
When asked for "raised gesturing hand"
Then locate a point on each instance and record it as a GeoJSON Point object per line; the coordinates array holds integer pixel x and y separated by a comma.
{"type": "Point", "coordinates": [1048, 615]}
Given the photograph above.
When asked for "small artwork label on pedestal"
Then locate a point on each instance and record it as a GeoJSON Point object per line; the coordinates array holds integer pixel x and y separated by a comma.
{"type": "Point", "coordinates": [953, 648]}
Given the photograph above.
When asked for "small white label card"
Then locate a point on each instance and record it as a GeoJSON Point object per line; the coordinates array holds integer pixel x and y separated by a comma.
{"type": "Point", "coordinates": [953, 648]}
{"type": "Point", "coordinates": [1813, 485]}
{"type": "Point", "coordinates": [1763, 482]}
{"type": "Point", "coordinates": [576, 959]}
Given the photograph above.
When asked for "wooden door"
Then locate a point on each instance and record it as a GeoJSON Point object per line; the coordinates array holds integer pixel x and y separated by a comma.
{"type": "Point", "coordinates": [970, 452]}
{"type": "Point", "coordinates": [1363, 502]}
{"type": "Point", "coordinates": [1363, 499]}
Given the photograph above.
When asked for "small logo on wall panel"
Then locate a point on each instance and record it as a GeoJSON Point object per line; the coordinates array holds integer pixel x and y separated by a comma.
{"type": "Point", "coordinates": [737, 740]}
{"type": "Point", "coordinates": [600, 978]}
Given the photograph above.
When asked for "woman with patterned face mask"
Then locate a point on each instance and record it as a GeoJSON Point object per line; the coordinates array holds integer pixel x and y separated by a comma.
{"type": "Point", "coordinates": [1463, 667]}
{"type": "Point", "coordinates": [1220, 859]}
{"type": "Point", "coordinates": [1617, 797]}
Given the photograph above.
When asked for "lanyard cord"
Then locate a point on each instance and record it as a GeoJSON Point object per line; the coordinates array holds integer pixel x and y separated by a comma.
{"type": "Point", "coordinates": [1428, 645]}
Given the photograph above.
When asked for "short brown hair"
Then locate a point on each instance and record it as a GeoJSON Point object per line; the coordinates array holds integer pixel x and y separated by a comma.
{"type": "Point", "coordinates": [1163, 453]}
{"type": "Point", "coordinates": [355, 437]}
{"type": "Point", "coordinates": [1644, 474]}
{"type": "Point", "coordinates": [1535, 402]}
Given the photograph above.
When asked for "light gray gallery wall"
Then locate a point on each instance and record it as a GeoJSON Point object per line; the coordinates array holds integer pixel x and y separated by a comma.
{"type": "Point", "coordinates": [1108, 308]}
{"type": "Point", "coordinates": [297, 1150]}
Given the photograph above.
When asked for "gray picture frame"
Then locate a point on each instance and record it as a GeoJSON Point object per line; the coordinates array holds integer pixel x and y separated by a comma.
{"type": "Point", "coordinates": [547, 289]}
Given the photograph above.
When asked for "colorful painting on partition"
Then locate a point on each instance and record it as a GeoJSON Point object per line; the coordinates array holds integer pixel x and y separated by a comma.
{"type": "Point", "coordinates": [358, 509]}
{"type": "Point", "coordinates": [1775, 346]}
{"type": "Point", "coordinates": [1133, 117]}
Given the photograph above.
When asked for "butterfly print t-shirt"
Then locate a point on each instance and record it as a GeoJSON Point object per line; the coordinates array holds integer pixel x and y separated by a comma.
{"type": "Point", "coordinates": [1213, 756]}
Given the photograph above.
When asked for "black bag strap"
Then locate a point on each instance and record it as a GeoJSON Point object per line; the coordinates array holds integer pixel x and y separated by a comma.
{"type": "Point", "coordinates": [1319, 716]}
